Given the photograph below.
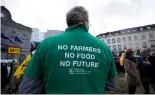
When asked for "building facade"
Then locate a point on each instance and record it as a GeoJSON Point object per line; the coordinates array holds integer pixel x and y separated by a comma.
{"type": "Point", "coordinates": [52, 33]}
{"type": "Point", "coordinates": [37, 36]}
{"type": "Point", "coordinates": [13, 35]}
{"type": "Point", "coordinates": [134, 38]}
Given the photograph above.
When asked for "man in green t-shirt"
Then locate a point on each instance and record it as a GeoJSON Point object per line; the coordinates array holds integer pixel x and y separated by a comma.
{"type": "Point", "coordinates": [74, 62]}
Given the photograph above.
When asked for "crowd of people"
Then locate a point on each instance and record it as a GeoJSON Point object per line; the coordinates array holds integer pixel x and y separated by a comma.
{"type": "Point", "coordinates": [139, 71]}
{"type": "Point", "coordinates": [12, 73]}
{"type": "Point", "coordinates": [8, 68]}
{"type": "Point", "coordinates": [76, 62]}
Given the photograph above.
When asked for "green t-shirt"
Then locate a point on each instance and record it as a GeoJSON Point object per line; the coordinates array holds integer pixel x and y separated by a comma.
{"type": "Point", "coordinates": [72, 62]}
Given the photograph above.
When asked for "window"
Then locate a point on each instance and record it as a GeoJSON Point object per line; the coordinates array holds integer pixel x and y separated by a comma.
{"type": "Point", "coordinates": [144, 45]}
{"type": "Point", "coordinates": [130, 46]}
{"type": "Point", "coordinates": [103, 36]}
{"type": "Point", "coordinates": [109, 47]}
{"type": "Point", "coordinates": [151, 35]}
{"type": "Point", "coordinates": [118, 40]}
{"type": "Point", "coordinates": [13, 32]}
{"type": "Point", "coordinates": [124, 46]}
{"type": "Point", "coordinates": [114, 47]}
{"type": "Point", "coordinates": [129, 38]}
{"type": "Point", "coordinates": [23, 40]}
{"type": "Point", "coordinates": [124, 39]}
{"type": "Point", "coordinates": [143, 37]}
{"type": "Point", "coordinates": [141, 29]}
{"type": "Point", "coordinates": [113, 40]}
{"type": "Point", "coordinates": [22, 45]}
{"type": "Point", "coordinates": [10, 56]}
{"type": "Point", "coordinates": [148, 27]}
{"type": "Point", "coordinates": [137, 46]}
{"type": "Point", "coordinates": [135, 38]}
{"type": "Point", "coordinates": [119, 47]}
{"type": "Point", "coordinates": [152, 45]}
{"type": "Point", "coordinates": [24, 35]}
{"type": "Point", "coordinates": [108, 41]}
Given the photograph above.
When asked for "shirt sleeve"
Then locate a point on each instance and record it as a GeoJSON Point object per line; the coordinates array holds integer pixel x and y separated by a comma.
{"type": "Point", "coordinates": [111, 78]}
{"type": "Point", "coordinates": [111, 83]}
{"type": "Point", "coordinates": [35, 66]}
{"type": "Point", "coordinates": [31, 86]}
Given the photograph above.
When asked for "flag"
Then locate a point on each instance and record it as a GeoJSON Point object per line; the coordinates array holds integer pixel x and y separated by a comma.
{"type": "Point", "coordinates": [20, 70]}
{"type": "Point", "coordinates": [17, 39]}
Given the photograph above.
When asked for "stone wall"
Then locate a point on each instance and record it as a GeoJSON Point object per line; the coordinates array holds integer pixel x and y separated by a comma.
{"type": "Point", "coordinates": [11, 29]}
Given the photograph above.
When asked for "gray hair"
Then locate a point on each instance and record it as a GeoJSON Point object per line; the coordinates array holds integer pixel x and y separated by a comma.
{"type": "Point", "coordinates": [76, 15]}
{"type": "Point", "coordinates": [144, 51]}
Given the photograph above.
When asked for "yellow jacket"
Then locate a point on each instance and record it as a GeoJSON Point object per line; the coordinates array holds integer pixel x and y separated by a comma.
{"type": "Point", "coordinates": [20, 70]}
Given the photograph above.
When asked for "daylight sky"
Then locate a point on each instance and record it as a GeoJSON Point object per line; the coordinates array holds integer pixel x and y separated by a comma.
{"type": "Point", "coordinates": [105, 15]}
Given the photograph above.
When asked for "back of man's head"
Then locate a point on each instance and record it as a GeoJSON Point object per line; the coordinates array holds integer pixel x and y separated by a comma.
{"type": "Point", "coordinates": [76, 16]}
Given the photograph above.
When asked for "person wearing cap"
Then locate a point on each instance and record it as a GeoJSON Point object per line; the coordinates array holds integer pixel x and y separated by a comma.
{"type": "Point", "coordinates": [146, 68]}
{"type": "Point", "coordinates": [74, 62]}
{"type": "Point", "coordinates": [131, 73]}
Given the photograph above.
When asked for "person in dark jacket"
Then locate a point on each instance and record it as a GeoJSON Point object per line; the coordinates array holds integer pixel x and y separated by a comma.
{"type": "Point", "coordinates": [147, 70]}
{"type": "Point", "coordinates": [4, 73]}
{"type": "Point", "coordinates": [151, 59]}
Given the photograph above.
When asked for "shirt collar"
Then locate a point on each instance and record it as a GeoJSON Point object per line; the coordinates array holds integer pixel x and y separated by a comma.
{"type": "Point", "coordinates": [77, 27]}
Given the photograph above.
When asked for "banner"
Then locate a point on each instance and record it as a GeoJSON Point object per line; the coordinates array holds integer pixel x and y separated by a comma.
{"type": "Point", "coordinates": [14, 50]}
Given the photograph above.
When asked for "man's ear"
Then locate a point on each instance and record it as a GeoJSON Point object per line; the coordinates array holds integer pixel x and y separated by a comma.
{"type": "Point", "coordinates": [87, 24]}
